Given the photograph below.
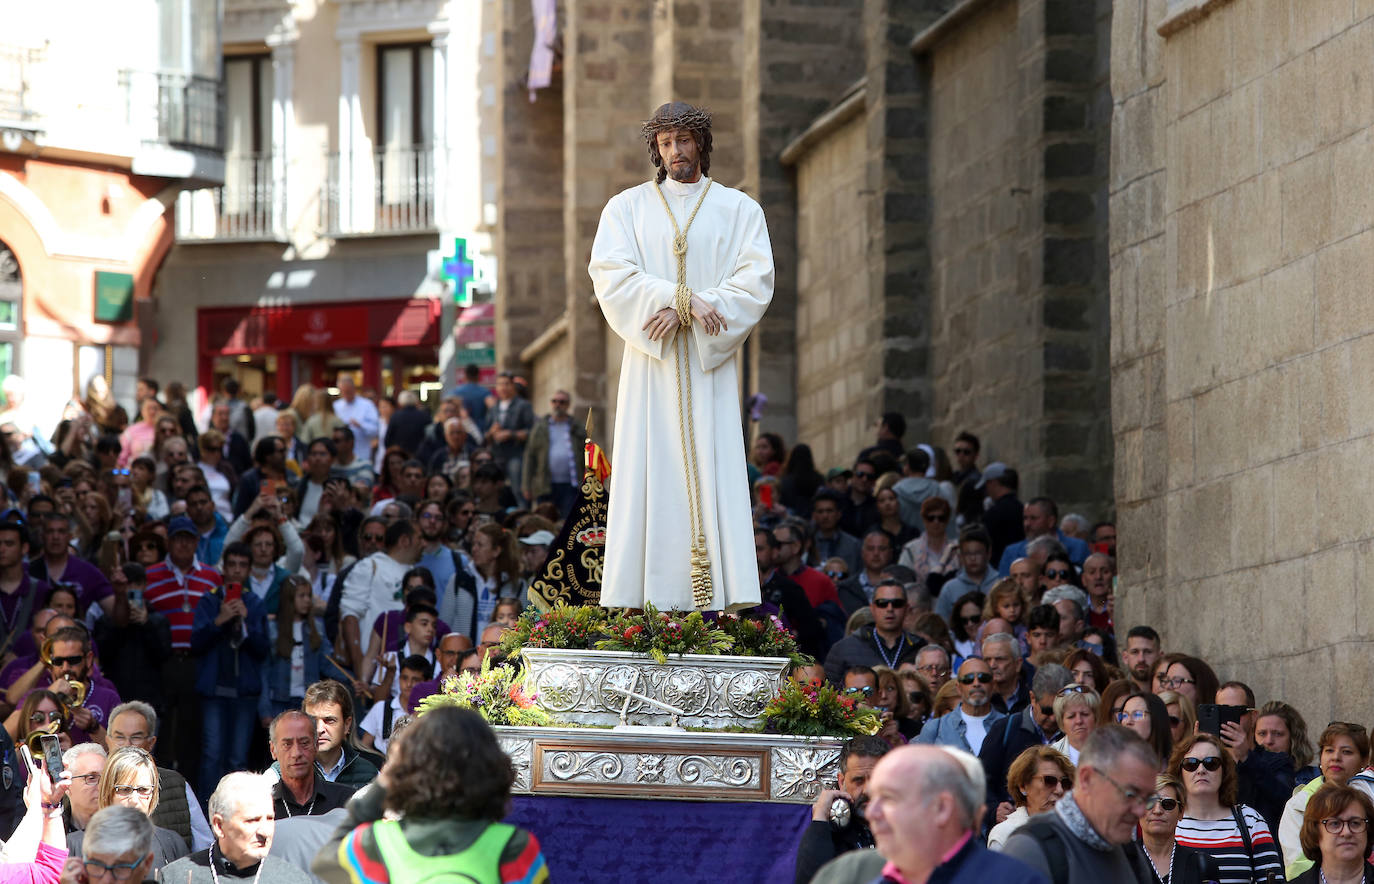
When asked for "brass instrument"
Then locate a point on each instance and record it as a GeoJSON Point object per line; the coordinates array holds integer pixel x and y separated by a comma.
{"type": "Point", "coordinates": [80, 690]}
{"type": "Point", "coordinates": [35, 739]}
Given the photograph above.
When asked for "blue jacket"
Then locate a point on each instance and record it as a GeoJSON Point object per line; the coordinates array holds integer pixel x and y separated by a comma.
{"type": "Point", "coordinates": [975, 864]}
{"type": "Point", "coordinates": [1077, 549]}
{"type": "Point", "coordinates": [276, 672]}
{"type": "Point", "coordinates": [949, 729]}
{"type": "Point", "coordinates": [211, 546]}
{"type": "Point", "coordinates": [224, 670]}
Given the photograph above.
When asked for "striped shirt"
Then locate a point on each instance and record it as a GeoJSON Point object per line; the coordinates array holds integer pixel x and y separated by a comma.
{"type": "Point", "coordinates": [1221, 840]}
{"type": "Point", "coordinates": [176, 595]}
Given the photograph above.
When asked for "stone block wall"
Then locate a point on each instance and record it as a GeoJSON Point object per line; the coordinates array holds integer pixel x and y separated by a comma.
{"type": "Point", "coordinates": [838, 321]}
{"type": "Point", "coordinates": [1241, 263]}
{"type": "Point", "coordinates": [529, 160]}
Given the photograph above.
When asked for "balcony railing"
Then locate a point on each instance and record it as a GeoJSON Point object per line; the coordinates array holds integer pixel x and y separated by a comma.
{"type": "Point", "coordinates": [179, 110]}
{"type": "Point", "coordinates": [18, 66]}
{"type": "Point", "coordinates": [244, 208]}
{"type": "Point", "coordinates": [390, 192]}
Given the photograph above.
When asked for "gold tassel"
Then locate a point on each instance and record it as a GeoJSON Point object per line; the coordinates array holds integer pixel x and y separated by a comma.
{"type": "Point", "coordinates": [702, 593]}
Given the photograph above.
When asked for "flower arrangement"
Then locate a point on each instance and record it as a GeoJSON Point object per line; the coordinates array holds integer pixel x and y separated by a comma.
{"type": "Point", "coordinates": [807, 711]}
{"type": "Point", "coordinates": [660, 633]}
{"type": "Point", "coordinates": [761, 638]}
{"type": "Point", "coordinates": [562, 626]}
{"type": "Point", "coordinates": [497, 694]}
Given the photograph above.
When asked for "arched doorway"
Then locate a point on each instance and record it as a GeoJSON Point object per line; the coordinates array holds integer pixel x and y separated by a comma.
{"type": "Point", "coordinates": [11, 301]}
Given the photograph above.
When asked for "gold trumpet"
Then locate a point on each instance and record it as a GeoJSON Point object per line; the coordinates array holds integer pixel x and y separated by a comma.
{"type": "Point", "coordinates": [35, 739]}
{"type": "Point", "coordinates": [80, 690]}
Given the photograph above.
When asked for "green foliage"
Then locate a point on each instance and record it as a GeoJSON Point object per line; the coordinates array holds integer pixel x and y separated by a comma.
{"type": "Point", "coordinates": [660, 633]}
{"type": "Point", "coordinates": [757, 638]}
{"type": "Point", "coordinates": [498, 695]}
{"type": "Point", "coordinates": [817, 712]}
{"type": "Point", "coordinates": [563, 626]}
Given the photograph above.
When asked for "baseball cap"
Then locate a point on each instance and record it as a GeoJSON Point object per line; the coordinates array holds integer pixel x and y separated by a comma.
{"type": "Point", "coordinates": [181, 525]}
{"type": "Point", "coordinates": [538, 538]}
{"type": "Point", "coordinates": [836, 472]}
{"type": "Point", "coordinates": [995, 470]}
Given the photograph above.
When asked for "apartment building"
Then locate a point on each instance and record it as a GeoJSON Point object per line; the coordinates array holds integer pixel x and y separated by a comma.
{"type": "Point", "coordinates": [354, 158]}
{"type": "Point", "coordinates": [107, 112]}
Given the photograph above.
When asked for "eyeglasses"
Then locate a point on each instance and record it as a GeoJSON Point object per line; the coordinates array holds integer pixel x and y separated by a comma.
{"type": "Point", "coordinates": [889, 603]}
{"type": "Point", "coordinates": [1050, 781]}
{"type": "Point", "coordinates": [1138, 715]}
{"type": "Point", "coordinates": [1057, 574]}
{"type": "Point", "coordinates": [980, 677]}
{"type": "Point", "coordinates": [937, 517]}
{"type": "Point", "coordinates": [74, 660]}
{"type": "Point", "coordinates": [1131, 796]}
{"type": "Point", "coordinates": [866, 690]}
{"type": "Point", "coordinates": [863, 474]}
{"type": "Point", "coordinates": [41, 717]}
{"type": "Point", "coordinates": [1174, 684]}
{"type": "Point", "coordinates": [834, 575]}
{"type": "Point", "coordinates": [89, 779]}
{"type": "Point", "coordinates": [96, 869]}
{"type": "Point", "coordinates": [1168, 805]}
{"type": "Point", "coordinates": [1356, 825]}
{"type": "Point", "coordinates": [123, 472]}
{"type": "Point", "coordinates": [938, 671]}
{"type": "Point", "coordinates": [125, 791]}
{"type": "Point", "coordinates": [1211, 763]}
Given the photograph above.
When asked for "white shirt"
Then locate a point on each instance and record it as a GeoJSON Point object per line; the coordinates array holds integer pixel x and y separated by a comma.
{"type": "Point", "coordinates": [396, 679]}
{"type": "Point", "coordinates": [298, 659]}
{"type": "Point", "coordinates": [975, 729]}
{"type": "Point", "coordinates": [365, 413]}
{"type": "Point", "coordinates": [310, 502]}
{"type": "Point", "coordinates": [264, 421]}
{"type": "Point", "coordinates": [219, 491]}
{"type": "Point", "coordinates": [372, 722]}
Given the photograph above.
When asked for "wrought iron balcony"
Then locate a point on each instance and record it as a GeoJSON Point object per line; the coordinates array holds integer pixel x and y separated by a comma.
{"type": "Point", "coordinates": [245, 208]}
{"type": "Point", "coordinates": [18, 68]}
{"type": "Point", "coordinates": [389, 192]}
{"type": "Point", "coordinates": [179, 110]}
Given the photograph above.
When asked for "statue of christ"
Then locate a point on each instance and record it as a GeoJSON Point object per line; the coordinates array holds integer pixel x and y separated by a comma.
{"type": "Point", "coordinates": [683, 270]}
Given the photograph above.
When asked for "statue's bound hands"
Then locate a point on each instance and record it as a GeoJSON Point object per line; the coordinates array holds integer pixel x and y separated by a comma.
{"type": "Point", "coordinates": [662, 324]}
{"type": "Point", "coordinates": [708, 316]}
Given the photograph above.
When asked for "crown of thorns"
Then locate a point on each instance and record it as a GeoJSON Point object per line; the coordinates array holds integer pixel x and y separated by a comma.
{"type": "Point", "coordinates": [686, 117]}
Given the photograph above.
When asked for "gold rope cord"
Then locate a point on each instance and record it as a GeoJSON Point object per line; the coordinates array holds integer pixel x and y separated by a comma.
{"type": "Point", "coordinates": [702, 593]}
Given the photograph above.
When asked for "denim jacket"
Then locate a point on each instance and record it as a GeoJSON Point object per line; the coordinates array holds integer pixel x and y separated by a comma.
{"type": "Point", "coordinates": [949, 729]}
{"type": "Point", "coordinates": [276, 672]}
{"type": "Point", "coordinates": [230, 663]}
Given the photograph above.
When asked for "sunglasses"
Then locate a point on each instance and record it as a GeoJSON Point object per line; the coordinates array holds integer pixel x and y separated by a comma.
{"type": "Point", "coordinates": [889, 603]}
{"type": "Point", "coordinates": [864, 475]}
{"type": "Point", "coordinates": [1168, 805]}
{"type": "Point", "coordinates": [1211, 763]}
{"type": "Point", "coordinates": [976, 618]}
{"type": "Point", "coordinates": [865, 691]}
{"type": "Point", "coordinates": [937, 518]}
{"type": "Point", "coordinates": [1175, 720]}
{"type": "Point", "coordinates": [1056, 574]}
{"type": "Point", "coordinates": [1075, 689]}
{"type": "Point", "coordinates": [1050, 781]}
{"type": "Point", "coordinates": [74, 660]}
{"type": "Point", "coordinates": [1046, 710]}
{"type": "Point", "coordinates": [42, 717]}
{"type": "Point", "coordinates": [980, 677]}
{"type": "Point", "coordinates": [835, 575]}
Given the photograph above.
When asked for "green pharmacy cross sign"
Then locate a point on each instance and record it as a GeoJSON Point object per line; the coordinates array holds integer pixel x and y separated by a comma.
{"type": "Point", "coordinates": [460, 270]}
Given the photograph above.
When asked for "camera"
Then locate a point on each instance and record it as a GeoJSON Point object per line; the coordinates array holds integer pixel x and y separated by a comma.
{"type": "Point", "coordinates": [848, 824]}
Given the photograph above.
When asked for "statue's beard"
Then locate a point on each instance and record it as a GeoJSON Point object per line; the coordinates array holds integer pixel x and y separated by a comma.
{"type": "Point", "coordinates": [684, 173]}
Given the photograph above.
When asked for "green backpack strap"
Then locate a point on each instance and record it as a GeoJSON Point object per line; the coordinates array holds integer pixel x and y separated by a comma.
{"type": "Point", "coordinates": [406, 865]}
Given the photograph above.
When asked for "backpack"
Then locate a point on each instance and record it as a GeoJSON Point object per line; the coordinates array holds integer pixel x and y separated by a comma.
{"type": "Point", "coordinates": [480, 863]}
{"type": "Point", "coordinates": [1056, 852]}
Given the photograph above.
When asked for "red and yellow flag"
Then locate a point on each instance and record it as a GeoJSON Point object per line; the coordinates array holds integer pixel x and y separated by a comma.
{"type": "Point", "coordinates": [595, 461]}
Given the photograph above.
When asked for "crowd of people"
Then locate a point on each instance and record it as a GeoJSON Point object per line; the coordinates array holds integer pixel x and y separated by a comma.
{"type": "Point", "coordinates": [275, 586]}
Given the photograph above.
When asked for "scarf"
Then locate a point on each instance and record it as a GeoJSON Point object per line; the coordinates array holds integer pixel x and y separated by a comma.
{"type": "Point", "coordinates": [1069, 812]}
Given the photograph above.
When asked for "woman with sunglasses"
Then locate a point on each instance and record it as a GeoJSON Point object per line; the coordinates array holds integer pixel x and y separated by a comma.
{"type": "Point", "coordinates": [1216, 824]}
{"type": "Point", "coordinates": [968, 616]}
{"type": "Point", "coordinates": [130, 779]}
{"type": "Point", "coordinates": [1037, 779]}
{"type": "Point", "coordinates": [1170, 862]}
{"type": "Point", "coordinates": [1335, 837]}
{"type": "Point", "coordinates": [1343, 754]}
{"type": "Point", "coordinates": [40, 710]}
{"type": "Point", "coordinates": [1059, 571]}
{"type": "Point", "coordinates": [1281, 728]}
{"type": "Point", "coordinates": [1075, 713]}
{"type": "Point", "coordinates": [933, 552]}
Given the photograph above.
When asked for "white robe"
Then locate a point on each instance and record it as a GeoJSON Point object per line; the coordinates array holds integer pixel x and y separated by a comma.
{"type": "Point", "coordinates": [634, 272]}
